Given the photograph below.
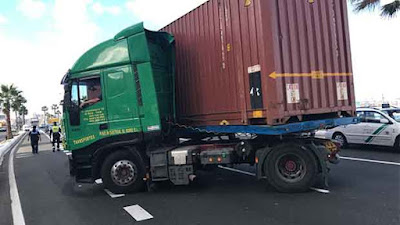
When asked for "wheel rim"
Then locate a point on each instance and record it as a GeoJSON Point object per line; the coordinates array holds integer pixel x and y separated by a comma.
{"type": "Point", "coordinates": [290, 168]}
{"type": "Point", "coordinates": [339, 138]}
{"type": "Point", "coordinates": [124, 172]}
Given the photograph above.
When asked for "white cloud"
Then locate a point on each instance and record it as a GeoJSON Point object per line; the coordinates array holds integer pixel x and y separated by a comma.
{"type": "Point", "coordinates": [37, 64]}
{"type": "Point", "coordinates": [375, 55]}
{"type": "Point", "coordinates": [158, 13]}
{"type": "Point", "coordinates": [384, 2]}
{"type": "Point", "coordinates": [3, 19]}
{"type": "Point", "coordinates": [101, 9]}
{"type": "Point", "coordinates": [32, 9]}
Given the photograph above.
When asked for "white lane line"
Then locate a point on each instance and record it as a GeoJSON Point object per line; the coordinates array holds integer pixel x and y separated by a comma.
{"type": "Point", "coordinates": [68, 153]}
{"type": "Point", "coordinates": [112, 195]}
{"type": "Point", "coordinates": [24, 153]}
{"type": "Point", "coordinates": [237, 171]}
{"type": "Point", "coordinates": [16, 208]}
{"type": "Point", "coordinates": [253, 174]}
{"type": "Point", "coordinates": [138, 213]}
{"type": "Point", "coordinates": [320, 190]}
{"type": "Point", "coordinates": [98, 181]}
{"type": "Point", "coordinates": [370, 160]}
{"type": "Point", "coordinates": [23, 156]}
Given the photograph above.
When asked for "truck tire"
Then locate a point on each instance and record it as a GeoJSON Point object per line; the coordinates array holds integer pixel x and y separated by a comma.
{"type": "Point", "coordinates": [123, 172]}
{"type": "Point", "coordinates": [290, 168]}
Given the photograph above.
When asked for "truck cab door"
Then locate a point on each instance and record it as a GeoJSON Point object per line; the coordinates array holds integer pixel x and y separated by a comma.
{"type": "Point", "coordinates": [87, 112]}
{"type": "Point", "coordinates": [122, 104]}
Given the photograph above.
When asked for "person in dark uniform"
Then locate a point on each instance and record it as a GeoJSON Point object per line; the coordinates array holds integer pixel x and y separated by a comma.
{"type": "Point", "coordinates": [55, 133]}
{"type": "Point", "coordinates": [34, 136]}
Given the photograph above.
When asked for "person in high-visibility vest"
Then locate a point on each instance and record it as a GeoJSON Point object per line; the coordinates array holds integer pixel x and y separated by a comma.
{"type": "Point", "coordinates": [55, 133]}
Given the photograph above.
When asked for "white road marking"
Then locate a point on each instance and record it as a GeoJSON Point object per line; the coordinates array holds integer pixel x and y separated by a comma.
{"type": "Point", "coordinates": [112, 195]}
{"type": "Point", "coordinates": [138, 213]}
{"type": "Point", "coordinates": [253, 174]}
{"type": "Point", "coordinates": [68, 153]}
{"type": "Point", "coordinates": [98, 181]}
{"type": "Point", "coordinates": [237, 171]}
{"type": "Point", "coordinates": [320, 190]}
{"type": "Point", "coordinates": [47, 136]}
{"type": "Point", "coordinates": [24, 153]}
{"type": "Point", "coordinates": [370, 160]}
{"type": "Point", "coordinates": [23, 156]}
{"type": "Point", "coordinates": [65, 151]}
{"type": "Point", "coordinates": [17, 214]}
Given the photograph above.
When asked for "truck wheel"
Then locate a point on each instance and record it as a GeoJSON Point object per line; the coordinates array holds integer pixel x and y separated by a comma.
{"type": "Point", "coordinates": [339, 137]}
{"type": "Point", "coordinates": [290, 168]}
{"type": "Point", "coordinates": [123, 172]}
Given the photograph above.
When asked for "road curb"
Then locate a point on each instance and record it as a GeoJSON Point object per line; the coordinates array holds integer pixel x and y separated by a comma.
{"type": "Point", "coordinates": [5, 149]}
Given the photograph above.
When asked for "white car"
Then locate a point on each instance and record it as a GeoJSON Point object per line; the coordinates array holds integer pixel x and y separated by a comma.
{"type": "Point", "coordinates": [377, 127]}
{"type": "Point", "coordinates": [26, 127]}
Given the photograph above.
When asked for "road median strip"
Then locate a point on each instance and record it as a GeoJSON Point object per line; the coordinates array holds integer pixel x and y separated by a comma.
{"type": "Point", "coordinates": [9, 144]}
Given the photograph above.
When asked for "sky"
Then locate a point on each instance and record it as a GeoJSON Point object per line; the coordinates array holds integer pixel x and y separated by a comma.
{"type": "Point", "coordinates": [41, 39]}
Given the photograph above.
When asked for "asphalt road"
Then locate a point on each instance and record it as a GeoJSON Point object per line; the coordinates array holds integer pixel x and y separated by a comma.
{"type": "Point", "coordinates": [360, 193]}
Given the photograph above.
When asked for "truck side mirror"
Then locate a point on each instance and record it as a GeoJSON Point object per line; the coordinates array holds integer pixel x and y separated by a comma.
{"type": "Point", "coordinates": [67, 96]}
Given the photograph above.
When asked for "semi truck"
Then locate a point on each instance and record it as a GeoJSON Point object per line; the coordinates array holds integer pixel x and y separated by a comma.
{"type": "Point", "coordinates": [155, 106]}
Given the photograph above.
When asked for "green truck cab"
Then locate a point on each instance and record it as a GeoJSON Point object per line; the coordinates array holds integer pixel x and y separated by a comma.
{"type": "Point", "coordinates": [120, 125]}
{"type": "Point", "coordinates": [118, 93]}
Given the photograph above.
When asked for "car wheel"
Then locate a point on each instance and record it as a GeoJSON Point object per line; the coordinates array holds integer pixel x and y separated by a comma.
{"type": "Point", "coordinates": [123, 172]}
{"type": "Point", "coordinates": [339, 137]}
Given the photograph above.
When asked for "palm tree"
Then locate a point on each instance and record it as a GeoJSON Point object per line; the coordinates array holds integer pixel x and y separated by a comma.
{"type": "Point", "coordinates": [23, 111]}
{"type": "Point", "coordinates": [19, 100]}
{"type": "Point", "coordinates": [388, 10]}
{"type": "Point", "coordinates": [7, 97]}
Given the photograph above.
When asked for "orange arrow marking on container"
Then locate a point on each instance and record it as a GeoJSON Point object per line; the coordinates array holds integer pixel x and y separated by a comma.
{"type": "Point", "coordinates": [313, 74]}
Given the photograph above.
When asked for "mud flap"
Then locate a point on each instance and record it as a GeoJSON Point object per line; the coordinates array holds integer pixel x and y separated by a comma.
{"type": "Point", "coordinates": [321, 152]}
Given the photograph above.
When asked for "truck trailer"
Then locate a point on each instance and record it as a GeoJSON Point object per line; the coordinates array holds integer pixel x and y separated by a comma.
{"type": "Point", "coordinates": [146, 107]}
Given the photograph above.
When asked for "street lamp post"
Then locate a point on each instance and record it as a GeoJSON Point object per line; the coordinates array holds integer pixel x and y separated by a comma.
{"type": "Point", "coordinates": [54, 107]}
{"type": "Point", "coordinates": [44, 109]}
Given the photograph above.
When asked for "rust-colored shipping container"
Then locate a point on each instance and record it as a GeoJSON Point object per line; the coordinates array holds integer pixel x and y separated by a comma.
{"type": "Point", "coordinates": [263, 62]}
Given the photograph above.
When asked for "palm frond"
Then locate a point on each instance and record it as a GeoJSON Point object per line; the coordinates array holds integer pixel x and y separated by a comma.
{"type": "Point", "coordinates": [365, 4]}
{"type": "Point", "coordinates": [4, 88]}
{"type": "Point", "coordinates": [389, 10]}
